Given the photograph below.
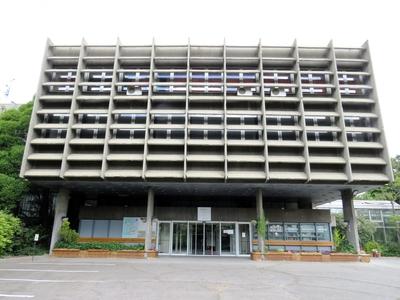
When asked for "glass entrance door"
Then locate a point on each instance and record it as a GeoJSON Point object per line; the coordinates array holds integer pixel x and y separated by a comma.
{"type": "Point", "coordinates": [179, 237]}
{"type": "Point", "coordinates": [212, 245]}
{"type": "Point", "coordinates": [228, 239]}
{"type": "Point", "coordinates": [196, 239]}
{"type": "Point", "coordinates": [244, 239]}
{"type": "Point", "coordinates": [164, 237]}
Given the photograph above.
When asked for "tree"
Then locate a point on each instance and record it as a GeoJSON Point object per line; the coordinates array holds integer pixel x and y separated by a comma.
{"type": "Point", "coordinates": [14, 125]}
{"type": "Point", "coordinates": [389, 191]}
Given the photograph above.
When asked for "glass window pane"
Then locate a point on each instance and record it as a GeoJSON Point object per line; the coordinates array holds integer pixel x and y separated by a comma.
{"type": "Point", "coordinates": [196, 120]}
{"type": "Point", "coordinates": [196, 134]}
{"type": "Point", "coordinates": [275, 231]}
{"type": "Point", "coordinates": [138, 134]}
{"type": "Point", "coordinates": [214, 120]}
{"type": "Point", "coordinates": [177, 134]}
{"type": "Point", "coordinates": [161, 120]}
{"type": "Point", "coordinates": [251, 135]}
{"type": "Point", "coordinates": [234, 135]}
{"type": "Point", "coordinates": [214, 134]}
{"type": "Point", "coordinates": [375, 215]}
{"type": "Point", "coordinates": [292, 231]}
{"type": "Point", "coordinates": [307, 232]}
{"type": "Point", "coordinates": [288, 135]}
{"type": "Point", "coordinates": [272, 135]}
{"type": "Point", "coordinates": [233, 121]}
{"type": "Point", "coordinates": [123, 134]}
{"type": "Point", "coordinates": [323, 231]}
{"type": "Point", "coordinates": [160, 134]}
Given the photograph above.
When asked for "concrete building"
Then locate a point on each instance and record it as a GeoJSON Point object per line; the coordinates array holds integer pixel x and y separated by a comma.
{"type": "Point", "coordinates": [179, 146]}
{"type": "Point", "coordinates": [377, 211]}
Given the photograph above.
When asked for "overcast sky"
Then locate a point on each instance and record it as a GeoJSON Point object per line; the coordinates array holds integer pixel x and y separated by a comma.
{"type": "Point", "coordinates": [25, 25]}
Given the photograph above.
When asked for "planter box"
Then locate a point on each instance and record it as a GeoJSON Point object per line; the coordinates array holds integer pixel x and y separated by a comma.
{"type": "Point", "coordinates": [343, 257]}
{"type": "Point", "coordinates": [130, 253]}
{"type": "Point", "coordinates": [279, 256]}
{"type": "Point", "coordinates": [365, 258]}
{"type": "Point", "coordinates": [63, 252]}
{"type": "Point", "coordinates": [98, 253]}
{"type": "Point", "coordinates": [152, 254]}
{"type": "Point", "coordinates": [326, 258]}
{"type": "Point", "coordinates": [257, 256]}
{"type": "Point", "coordinates": [310, 256]}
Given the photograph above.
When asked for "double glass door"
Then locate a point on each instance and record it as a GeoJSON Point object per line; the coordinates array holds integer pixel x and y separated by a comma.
{"type": "Point", "coordinates": [204, 238]}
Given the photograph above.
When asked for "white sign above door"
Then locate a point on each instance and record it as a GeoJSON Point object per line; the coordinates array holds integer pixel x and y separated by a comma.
{"type": "Point", "coordinates": [204, 214]}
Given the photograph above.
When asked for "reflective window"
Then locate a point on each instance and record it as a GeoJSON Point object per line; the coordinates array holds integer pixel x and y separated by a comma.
{"type": "Point", "coordinates": [178, 119]}
{"type": "Point", "coordinates": [275, 231]}
{"type": "Point", "coordinates": [234, 134]}
{"type": "Point", "coordinates": [214, 120]}
{"type": "Point", "coordinates": [292, 231]}
{"type": "Point", "coordinates": [308, 232]}
{"type": "Point", "coordinates": [251, 135]}
{"type": "Point", "coordinates": [323, 231]}
{"type": "Point", "coordinates": [177, 134]}
{"type": "Point", "coordinates": [123, 134]}
{"type": "Point", "coordinates": [214, 134]}
{"type": "Point", "coordinates": [272, 135]}
{"type": "Point", "coordinates": [375, 215]}
{"type": "Point", "coordinates": [233, 120]}
{"type": "Point", "coordinates": [159, 119]}
{"type": "Point", "coordinates": [288, 135]}
{"type": "Point", "coordinates": [160, 134]}
{"type": "Point", "coordinates": [251, 120]}
{"type": "Point", "coordinates": [196, 120]}
{"type": "Point", "coordinates": [196, 134]}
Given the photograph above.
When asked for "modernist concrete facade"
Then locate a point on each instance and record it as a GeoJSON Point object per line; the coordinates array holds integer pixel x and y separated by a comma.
{"type": "Point", "coordinates": [188, 135]}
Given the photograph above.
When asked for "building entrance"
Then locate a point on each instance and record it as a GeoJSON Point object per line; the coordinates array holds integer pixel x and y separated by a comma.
{"type": "Point", "coordinates": [204, 238]}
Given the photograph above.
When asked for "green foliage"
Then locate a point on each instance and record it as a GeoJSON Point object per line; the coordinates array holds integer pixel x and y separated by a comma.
{"type": "Point", "coordinates": [341, 242]}
{"type": "Point", "coordinates": [23, 241]}
{"type": "Point", "coordinates": [11, 191]}
{"type": "Point", "coordinates": [366, 230]}
{"type": "Point", "coordinates": [371, 246]}
{"type": "Point", "coordinates": [261, 225]}
{"type": "Point", "coordinates": [97, 245]}
{"type": "Point", "coordinates": [391, 249]}
{"type": "Point", "coordinates": [9, 227]}
{"type": "Point", "coordinates": [68, 235]}
{"type": "Point", "coordinates": [13, 128]}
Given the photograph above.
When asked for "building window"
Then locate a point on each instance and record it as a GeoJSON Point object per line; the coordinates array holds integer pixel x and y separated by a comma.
{"type": "Point", "coordinates": [323, 231]}
{"type": "Point", "coordinates": [196, 120]}
{"type": "Point", "coordinates": [214, 134]}
{"type": "Point", "coordinates": [275, 231]}
{"type": "Point", "coordinates": [234, 134]}
{"type": "Point", "coordinates": [123, 134]}
{"type": "Point", "coordinates": [177, 134]}
{"type": "Point", "coordinates": [375, 215]}
{"type": "Point", "coordinates": [233, 120]}
{"type": "Point", "coordinates": [292, 231]}
{"type": "Point", "coordinates": [288, 135]}
{"type": "Point", "coordinates": [160, 119]}
{"type": "Point", "coordinates": [160, 134]}
{"type": "Point", "coordinates": [251, 135]}
{"type": "Point", "coordinates": [196, 134]}
{"type": "Point", "coordinates": [214, 120]}
{"type": "Point", "coordinates": [273, 135]}
{"type": "Point", "coordinates": [308, 232]}
{"type": "Point", "coordinates": [251, 120]}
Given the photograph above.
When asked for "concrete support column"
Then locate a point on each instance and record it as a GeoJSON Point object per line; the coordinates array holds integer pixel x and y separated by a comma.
{"type": "Point", "coordinates": [350, 218]}
{"type": "Point", "coordinates": [260, 213]}
{"type": "Point", "coordinates": [60, 211]}
{"type": "Point", "coordinates": [149, 219]}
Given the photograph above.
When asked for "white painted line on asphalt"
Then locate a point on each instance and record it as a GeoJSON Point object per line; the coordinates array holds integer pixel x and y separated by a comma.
{"type": "Point", "coordinates": [50, 280]}
{"type": "Point", "coordinates": [68, 264]}
{"type": "Point", "coordinates": [55, 271]}
{"type": "Point", "coordinates": [16, 296]}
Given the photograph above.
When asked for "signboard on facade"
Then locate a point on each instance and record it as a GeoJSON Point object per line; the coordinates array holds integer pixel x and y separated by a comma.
{"type": "Point", "coordinates": [204, 214]}
{"type": "Point", "coordinates": [135, 227]}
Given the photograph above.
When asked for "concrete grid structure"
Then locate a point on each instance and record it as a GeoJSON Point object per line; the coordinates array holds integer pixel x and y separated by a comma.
{"type": "Point", "coordinates": [299, 125]}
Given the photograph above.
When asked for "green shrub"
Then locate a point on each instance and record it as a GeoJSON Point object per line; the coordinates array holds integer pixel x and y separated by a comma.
{"type": "Point", "coordinates": [372, 245]}
{"type": "Point", "coordinates": [341, 242]}
{"type": "Point", "coordinates": [68, 235]}
{"type": "Point", "coordinates": [23, 243]}
{"type": "Point", "coordinates": [98, 245]}
{"type": "Point", "coordinates": [9, 226]}
{"type": "Point", "coordinates": [391, 249]}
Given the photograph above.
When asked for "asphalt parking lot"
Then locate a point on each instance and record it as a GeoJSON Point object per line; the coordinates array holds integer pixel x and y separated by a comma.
{"type": "Point", "coordinates": [196, 278]}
